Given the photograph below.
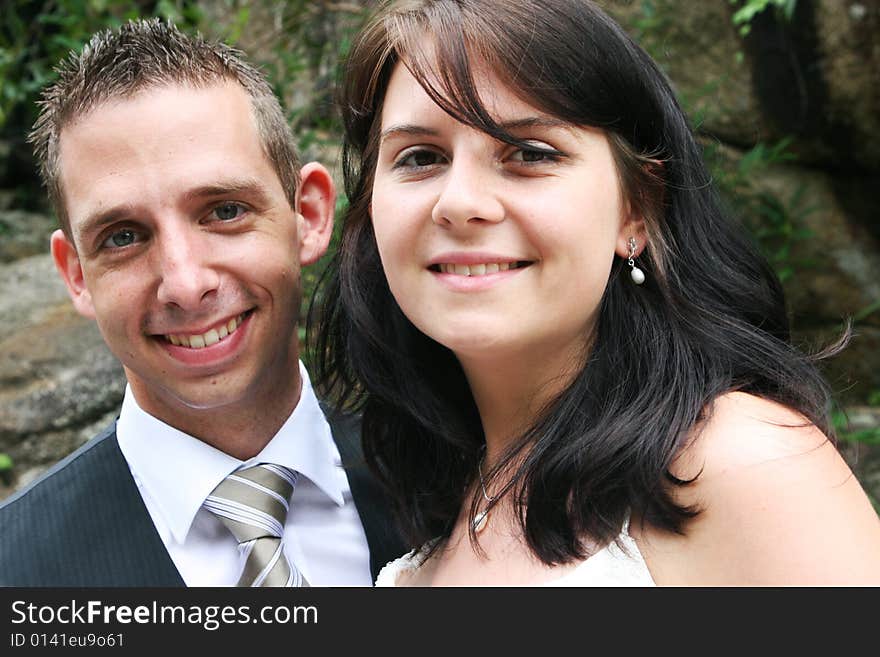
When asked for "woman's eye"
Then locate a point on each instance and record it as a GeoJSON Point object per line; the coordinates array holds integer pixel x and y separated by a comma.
{"type": "Point", "coordinates": [120, 238]}
{"type": "Point", "coordinates": [421, 158]}
{"type": "Point", "coordinates": [228, 211]}
{"type": "Point", "coordinates": [530, 156]}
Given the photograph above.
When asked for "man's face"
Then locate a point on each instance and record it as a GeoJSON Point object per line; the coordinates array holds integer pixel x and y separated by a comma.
{"type": "Point", "coordinates": [186, 250]}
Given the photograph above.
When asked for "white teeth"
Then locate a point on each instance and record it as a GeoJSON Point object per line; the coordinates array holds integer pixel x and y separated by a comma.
{"type": "Point", "coordinates": [212, 336]}
{"type": "Point", "coordinates": [475, 270]}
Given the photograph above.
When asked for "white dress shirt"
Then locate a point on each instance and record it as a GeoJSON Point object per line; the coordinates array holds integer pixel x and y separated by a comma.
{"type": "Point", "coordinates": [175, 472]}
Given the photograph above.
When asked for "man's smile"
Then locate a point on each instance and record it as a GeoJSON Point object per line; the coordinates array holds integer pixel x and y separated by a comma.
{"type": "Point", "coordinates": [207, 338]}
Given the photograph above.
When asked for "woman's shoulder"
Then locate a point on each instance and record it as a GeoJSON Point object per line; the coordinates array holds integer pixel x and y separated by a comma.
{"type": "Point", "coordinates": [778, 503]}
{"type": "Point", "coordinates": [741, 430]}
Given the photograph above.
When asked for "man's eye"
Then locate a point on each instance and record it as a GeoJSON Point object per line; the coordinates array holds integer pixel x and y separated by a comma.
{"type": "Point", "coordinates": [120, 238]}
{"type": "Point", "coordinates": [228, 211]}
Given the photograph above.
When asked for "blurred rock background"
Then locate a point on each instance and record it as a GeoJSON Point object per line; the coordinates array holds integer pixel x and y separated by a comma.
{"type": "Point", "coordinates": [783, 94]}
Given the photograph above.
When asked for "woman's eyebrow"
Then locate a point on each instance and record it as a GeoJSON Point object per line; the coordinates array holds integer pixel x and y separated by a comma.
{"type": "Point", "coordinates": [407, 129]}
{"type": "Point", "coordinates": [410, 130]}
{"type": "Point", "coordinates": [534, 122]}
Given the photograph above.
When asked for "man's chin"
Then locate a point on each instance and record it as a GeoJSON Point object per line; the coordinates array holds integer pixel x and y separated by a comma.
{"type": "Point", "coordinates": [210, 396]}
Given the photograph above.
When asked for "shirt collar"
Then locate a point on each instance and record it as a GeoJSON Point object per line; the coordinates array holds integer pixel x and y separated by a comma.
{"type": "Point", "coordinates": [179, 471]}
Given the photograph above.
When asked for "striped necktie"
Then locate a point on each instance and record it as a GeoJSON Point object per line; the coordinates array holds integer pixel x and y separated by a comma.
{"type": "Point", "coordinates": [253, 504]}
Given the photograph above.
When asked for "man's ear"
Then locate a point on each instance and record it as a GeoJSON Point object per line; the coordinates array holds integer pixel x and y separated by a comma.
{"type": "Point", "coordinates": [316, 204]}
{"type": "Point", "coordinates": [68, 266]}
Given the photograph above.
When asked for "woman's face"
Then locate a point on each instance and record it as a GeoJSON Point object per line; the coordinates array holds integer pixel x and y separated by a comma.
{"type": "Point", "coordinates": [490, 249]}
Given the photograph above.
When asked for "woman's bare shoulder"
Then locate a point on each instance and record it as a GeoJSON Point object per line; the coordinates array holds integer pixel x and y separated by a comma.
{"type": "Point", "coordinates": [779, 504]}
{"type": "Point", "coordinates": [741, 431]}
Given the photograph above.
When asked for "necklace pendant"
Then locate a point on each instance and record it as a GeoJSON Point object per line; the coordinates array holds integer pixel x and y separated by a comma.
{"type": "Point", "coordinates": [481, 520]}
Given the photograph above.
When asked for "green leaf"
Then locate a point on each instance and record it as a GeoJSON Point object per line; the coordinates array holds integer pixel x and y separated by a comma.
{"type": "Point", "coordinates": [866, 436]}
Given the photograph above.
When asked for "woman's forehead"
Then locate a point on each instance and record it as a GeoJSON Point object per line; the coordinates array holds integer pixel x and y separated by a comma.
{"type": "Point", "coordinates": [407, 98]}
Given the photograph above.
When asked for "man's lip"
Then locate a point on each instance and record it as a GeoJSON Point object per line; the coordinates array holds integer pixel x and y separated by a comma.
{"type": "Point", "coordinates": [203, 328]}
{"type": "Point", "coordinates": [208, 357]}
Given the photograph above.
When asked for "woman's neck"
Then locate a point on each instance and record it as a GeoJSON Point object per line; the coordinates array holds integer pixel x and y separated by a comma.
{"type": "Point", "coordinates": [511, 392]}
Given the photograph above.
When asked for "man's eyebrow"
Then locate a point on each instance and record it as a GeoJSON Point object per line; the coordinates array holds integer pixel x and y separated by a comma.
{"type": "Point", "coordinates": [253, 189]}
{"type": "Point", "coordinates": [97, 220]}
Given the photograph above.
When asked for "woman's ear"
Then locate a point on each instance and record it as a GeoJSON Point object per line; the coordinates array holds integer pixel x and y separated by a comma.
{"type": "Point", "coordinates": [316, 204]}
{"type": "Point", "coordinates": [652, 191]}
{"type": "Point", "coordinates": [68, 265]}
{"type": "Point", "coordinates": [632, 227]}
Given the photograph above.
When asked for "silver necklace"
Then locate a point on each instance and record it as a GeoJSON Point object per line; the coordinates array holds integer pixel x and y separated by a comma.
{"type": "Point", "coordinates": [482, 518]}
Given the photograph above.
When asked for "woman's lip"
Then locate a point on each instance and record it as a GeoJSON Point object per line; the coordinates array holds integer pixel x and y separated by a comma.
{"type": "Point", "coordinates": [459, 283]}
{"type": "Point", "coordinates": [473, 258]}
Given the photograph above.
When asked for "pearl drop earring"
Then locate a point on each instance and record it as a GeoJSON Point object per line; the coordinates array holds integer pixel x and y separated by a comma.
{"type": "Point", "coordinates": [637, 275]}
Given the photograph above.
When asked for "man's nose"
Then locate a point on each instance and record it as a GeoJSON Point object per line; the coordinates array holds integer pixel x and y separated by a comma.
{"type": "Point", "coordinates": [185, 265]}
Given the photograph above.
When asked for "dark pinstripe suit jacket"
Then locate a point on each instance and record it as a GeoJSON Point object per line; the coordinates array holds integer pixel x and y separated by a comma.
{"type": "Point", "coordinates": [84, 523]}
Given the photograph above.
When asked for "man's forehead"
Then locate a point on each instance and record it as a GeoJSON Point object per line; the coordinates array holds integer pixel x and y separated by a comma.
{"type": "Point", "coordinates": [221, 88]}
{"type": "Point", "coordinates": [167, 139]}
{"type": "Point", "coordinates": [162, 117]}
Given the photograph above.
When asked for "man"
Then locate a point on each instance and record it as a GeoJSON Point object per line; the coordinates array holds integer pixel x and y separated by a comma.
{"type": "Point", "coordinates": [185, 219]}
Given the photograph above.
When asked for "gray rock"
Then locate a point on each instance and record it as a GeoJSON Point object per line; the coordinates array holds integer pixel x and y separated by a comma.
{"type": "Point", "coordinates": [30, 291]}
{"type": "Point", "coordinates": [24, 234]}
{"type": "Point", "coordinates": [699, 48]}
{"type": "Point", "coordinates": [58, 380]}
{"type": "Point", "coordinates": [813, 77]}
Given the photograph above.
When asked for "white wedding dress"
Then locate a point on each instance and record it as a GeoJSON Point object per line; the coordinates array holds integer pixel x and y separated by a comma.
{"type": "Point", "coordinates": [610, 566]}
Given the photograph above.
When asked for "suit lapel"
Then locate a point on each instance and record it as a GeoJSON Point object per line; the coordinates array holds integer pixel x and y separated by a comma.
{"type": "Point", "coordinates": [372, 505]}
{"type": "Point", "coordinates": [117, 527]}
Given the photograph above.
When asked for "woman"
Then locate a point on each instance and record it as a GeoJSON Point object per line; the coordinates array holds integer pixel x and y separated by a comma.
{"type": "Point", "coordinates": [572, 367]}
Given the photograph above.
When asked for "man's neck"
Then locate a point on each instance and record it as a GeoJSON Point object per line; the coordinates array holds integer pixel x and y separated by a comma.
{"type": "Point", "coordinates": [241, 430]}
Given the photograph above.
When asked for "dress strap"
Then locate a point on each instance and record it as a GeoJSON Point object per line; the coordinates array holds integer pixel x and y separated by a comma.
{"type": "Point", "coordinates": [626, 522]}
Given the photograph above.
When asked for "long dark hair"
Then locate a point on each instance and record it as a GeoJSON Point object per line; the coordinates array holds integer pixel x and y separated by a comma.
{"type": "Point", "coordinates": [710, 319]}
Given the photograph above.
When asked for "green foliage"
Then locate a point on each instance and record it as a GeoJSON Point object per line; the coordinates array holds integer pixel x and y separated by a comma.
{"type": "Point", "coordinates": [861, 315]}
{"type": "Point", "coordinates": [5, 469]}
{"type": "Point", "coordinates": [36, 34]}
{"type": "Point", "coordinates": [867, 436]}
{"type": "Point", "coordinates": [776, 222]}
{"type": "Point", "coordinates": [648, 25]}
{"type": "Point", "coordinates": [750, 8]}
{"type": "Point", "coordinates": [300, 45]}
